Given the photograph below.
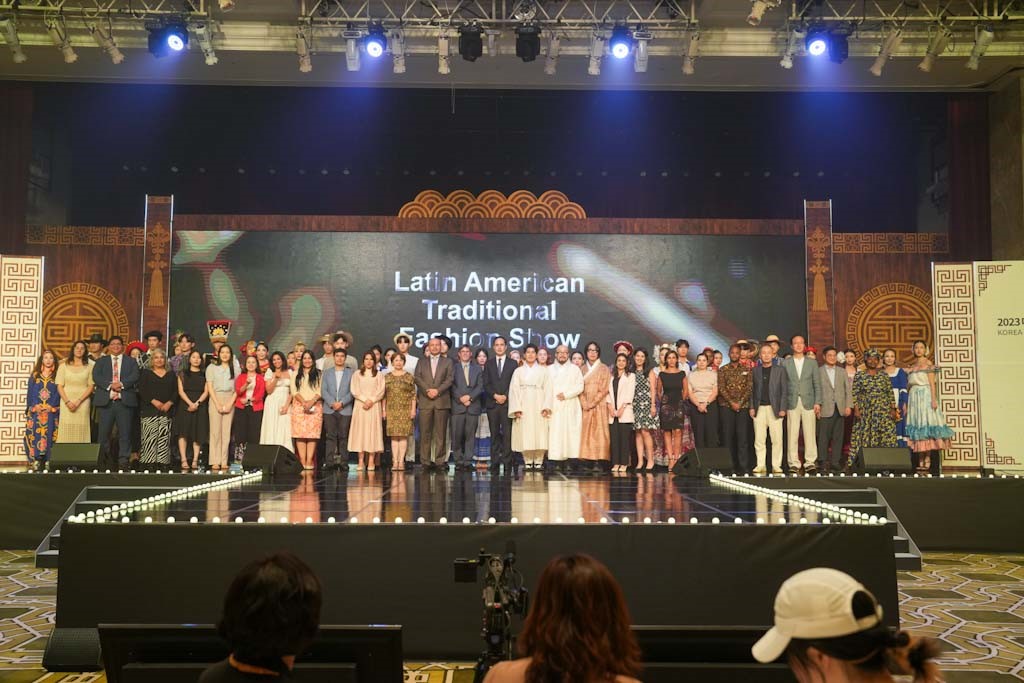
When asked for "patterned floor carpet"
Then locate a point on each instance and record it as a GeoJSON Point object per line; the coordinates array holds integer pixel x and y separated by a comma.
{"type": "Point", "coordinates": [974, 603]}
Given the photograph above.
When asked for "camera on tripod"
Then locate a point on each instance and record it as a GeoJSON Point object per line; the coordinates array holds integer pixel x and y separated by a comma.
{"type": "Point", "coordinates": [503, 596]}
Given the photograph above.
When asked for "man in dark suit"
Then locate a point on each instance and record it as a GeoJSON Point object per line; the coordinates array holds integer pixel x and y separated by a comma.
{"type": "Point", "coordinates": [116, 376]}
{"type": "Point", "coordinates": [336, 390]}
{"type": "Point", "coordinates": [836, 405]}
{"type": "Point", "coordinates": [497, 377]}
{"type": "Point", "coordinates": [767, 408]}
{"type": "Point", "coordinates": [434, 376]}
{"type": "Point", "coordinates": [467, 388]}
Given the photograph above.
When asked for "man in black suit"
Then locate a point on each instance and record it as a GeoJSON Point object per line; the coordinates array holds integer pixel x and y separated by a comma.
{"type": "Point", "coordinates": [467, 388]}
{"type": "Point", "coordinates": [116, 376]}
{"type": "Point", "coordinates": [497, 377]}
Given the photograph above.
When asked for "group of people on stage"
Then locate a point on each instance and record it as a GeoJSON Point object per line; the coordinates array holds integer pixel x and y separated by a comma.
{"type": "Point", "coordinates": [537, 407]}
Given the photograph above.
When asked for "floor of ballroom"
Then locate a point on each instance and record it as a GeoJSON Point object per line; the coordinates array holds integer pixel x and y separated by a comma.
{"type": "Point", "coordinates": [973, 603]}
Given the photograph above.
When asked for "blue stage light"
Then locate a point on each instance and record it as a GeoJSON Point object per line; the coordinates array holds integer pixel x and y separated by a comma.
{"type": "Point", "coordinates": [375, 42]}
{"type": "Point", "coordinates": [817, 44]}
{"type": "Point", "coordinates": [175, 41]}
{"type": "Point", "coordinates": [621, 42]}
{"type": "Point", "coordinates": [169, 39]}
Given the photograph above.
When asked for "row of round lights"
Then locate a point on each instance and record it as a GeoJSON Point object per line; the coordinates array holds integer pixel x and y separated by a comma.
{"type": "Point", "coordinates": [841, 514]}
{"type": "Point", "coordinates": [108, 514]}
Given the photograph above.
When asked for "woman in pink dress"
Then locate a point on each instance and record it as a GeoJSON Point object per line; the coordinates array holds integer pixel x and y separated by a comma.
{"type": "Point", "coordinates": [307, 410]}
{"type": "Point", "coordinates": [366, 436]}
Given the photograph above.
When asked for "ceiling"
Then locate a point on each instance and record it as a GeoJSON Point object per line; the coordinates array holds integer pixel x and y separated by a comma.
{"type": "Point", "coordinates": [255, 45]}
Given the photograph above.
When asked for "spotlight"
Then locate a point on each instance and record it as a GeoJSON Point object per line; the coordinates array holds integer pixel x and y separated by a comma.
{"type": "Point", "coordinates": [936, 46]}
{"type": "Point", "coordinates": [398, 52]}
{"type": "Point", "coordinates": [983, 37]}
{"type": "Point", "coordinates": [797, 38]}
{"type": "Point", "coordinates": [10, 33]}
{"type": "Point", "coordinates": [168, 39]}
{"type": "Point", "coordinates": [817, 43]}
{"type": "Point", "coordinates": [59, 35]}
{"type": "Point", "coordinates": [471, 42]}
{"type": "Point", "coordinates": [551, 62]}
{"type": "Point", "coordinates": [104, 39]}
{"type": "Point", "coordinates": [889, 46]}
{"type": "Point", "coordinates": [620, 43]}
{"type": "Point", "coordinates": [226, 5]}
{"type": "Point", "coordinates": [758, 8]}
{"type": "Point", "coordinates": [596, 55]}
{"type": "Point", "coordinates": [640, 56]}
{"type": "Point", "coordinates": [375, 42]}
{"type": "Point", "coordinates": [527, 42]}
{"type": "Point", "coordinates": [204, 36]}
{"type": "Point", "coordinates": [692, 52]}
{"type": "Point", "coordinates": [444, 62]}
{"type": "Point", "coordinates": [303, 48]}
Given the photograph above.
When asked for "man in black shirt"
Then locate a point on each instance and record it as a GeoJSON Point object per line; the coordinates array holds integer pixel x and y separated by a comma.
{"type": "Point", "coordinates": [767, 408]}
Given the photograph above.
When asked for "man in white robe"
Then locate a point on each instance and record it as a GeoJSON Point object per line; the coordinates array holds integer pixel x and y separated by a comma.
{"type": "Point", "coordinates": [529, 406]}
{"type": "Point", "coordinates": [566, 415]}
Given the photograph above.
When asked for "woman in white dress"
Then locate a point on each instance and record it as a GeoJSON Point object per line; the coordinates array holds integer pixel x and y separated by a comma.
{"type": "Point", "coordinates": [277, 424]}
{"type": "Point", "coordinates": [529, 406]}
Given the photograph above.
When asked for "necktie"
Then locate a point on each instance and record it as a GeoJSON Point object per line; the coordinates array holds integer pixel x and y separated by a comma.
{"type": "Point", "coordinates": [465, 371]}
{"type": "Point", "coordinates": [501, 364]}
{"type": "Point", "coordinates": [116, 395]}
{"type": "Point", "coordinates": [433, 365]}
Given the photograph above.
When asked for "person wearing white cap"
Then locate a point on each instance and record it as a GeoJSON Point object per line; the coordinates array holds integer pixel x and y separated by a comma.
{"type": "Point", "coordinates": [829, 627]}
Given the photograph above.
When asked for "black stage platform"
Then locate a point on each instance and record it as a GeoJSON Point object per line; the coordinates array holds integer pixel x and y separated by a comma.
{"type": "Point", "coordinates": [712, 572]}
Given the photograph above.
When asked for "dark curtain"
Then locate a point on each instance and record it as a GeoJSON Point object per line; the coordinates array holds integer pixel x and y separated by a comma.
{"type": "Point", "coordinates": [970, 228]}
{"type": "Point", "coordinates": [15, 154]}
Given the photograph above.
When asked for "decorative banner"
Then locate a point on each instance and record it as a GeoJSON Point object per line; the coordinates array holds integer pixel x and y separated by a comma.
{"type": "Point", "coordinates": [821, 326]}
{"type": "Point", "coordinates": [76, 310]}
{"type": "Point", "coordinates": [21, 314]}
{"type": "Point", "coordinates": [999, 316]}
{"type": "Point", "coordinates": [156, 273]}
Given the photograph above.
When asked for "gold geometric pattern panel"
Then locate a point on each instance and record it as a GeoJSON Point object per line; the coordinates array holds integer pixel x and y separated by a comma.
{"type": "Point", "coordinates": [84, 236]}
{"type": "Point", "coordinates": [21, 307]}
{"type": "Point", "coordinates": [75, 310]}
{"type": "Point", "coordinates": [959, 396]}
{"type": "Point", "coordinates": [984, 271]}
{"type": "Point", "coordinates": [491, 204]}
{"type": "Point", "coordinates": [890, 243]}
{"type": "Point", "coordinates": [892, 315]}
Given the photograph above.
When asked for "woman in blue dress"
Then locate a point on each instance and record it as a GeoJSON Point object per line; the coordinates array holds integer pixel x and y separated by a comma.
{"type": "Point", "coordinates": [42, 410]}
{"type": "Point", "coordinates": [898, 377]}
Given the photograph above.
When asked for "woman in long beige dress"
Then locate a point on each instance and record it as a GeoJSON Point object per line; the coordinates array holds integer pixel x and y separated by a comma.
{"type": "Point", "coordinates": [74, 382]}
{"type": "Point", "coordinates": [366, 435]}
{"type": "Point", "coordinates": [595, 444]}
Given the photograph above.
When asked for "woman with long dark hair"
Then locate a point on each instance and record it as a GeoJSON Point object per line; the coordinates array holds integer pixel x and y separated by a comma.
{"type": "Point", "coordinates": [220, 387]}
{"type": "Point", "coordinates": [644, 410]}
{"type": "Point", "coordinates": [578, 629]}
{"type": "Point", "coordinates": [250, 393]}
{"type": "Point", "coordinates": [829, 628]}
{"type": "Point", "coordinates": [42, 409]}
{"type": "Point", "coordinates": [192, 419]}
{"type": "Point", "coordinates": [366, 436]}
{"type": "Point", "coordinates": [74, 382]}
{"type": "Point", "coordinates": [307, 410]}
{"type": "Point", "coordinates": [276, 429]}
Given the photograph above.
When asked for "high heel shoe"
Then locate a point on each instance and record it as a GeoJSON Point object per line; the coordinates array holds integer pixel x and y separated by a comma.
{"type": "Point", "coordinates": [185, 467]}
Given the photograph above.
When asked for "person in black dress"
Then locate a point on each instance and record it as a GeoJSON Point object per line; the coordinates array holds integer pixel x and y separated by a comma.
{"type": "Point", "coordinates": [158, 392]}
{"type": "Point", "coordinates": [192, 419]}
{"type": "Point", "coordinates": [271, 614]}
{"type": "Point", "coordinates": [672, 390]}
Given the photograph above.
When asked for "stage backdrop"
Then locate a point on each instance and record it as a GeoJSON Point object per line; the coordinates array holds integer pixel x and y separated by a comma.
{"type": "Point", "coordinates": [284, 287]}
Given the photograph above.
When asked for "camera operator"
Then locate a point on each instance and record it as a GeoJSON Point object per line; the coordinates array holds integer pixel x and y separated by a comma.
{"type": "Point", "coordinates": [577, 629]}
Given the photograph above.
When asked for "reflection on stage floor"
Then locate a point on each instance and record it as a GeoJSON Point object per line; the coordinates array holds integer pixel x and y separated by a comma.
{"type": "Point", "coordinates": [415, 496]}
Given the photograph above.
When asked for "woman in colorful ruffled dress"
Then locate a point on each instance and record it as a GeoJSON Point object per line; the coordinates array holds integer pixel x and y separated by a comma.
{"type": "Point", "coordinates": [926, 430]}
{"type": "Point", "coordinates": [42, 410]}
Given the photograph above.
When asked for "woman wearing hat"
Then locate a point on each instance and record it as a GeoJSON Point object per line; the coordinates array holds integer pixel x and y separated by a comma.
{"type": "Point", "coordinates": [829, 628]}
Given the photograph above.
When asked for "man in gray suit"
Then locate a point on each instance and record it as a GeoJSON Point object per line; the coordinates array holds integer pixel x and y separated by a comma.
{"type": "Point", "coordinates": [803, 405]}
{"type": "Point", "coordinates": [336, 390]}
{"type": "Point", "coordinates": [467, 389]}
{"type": "Point", "coordinates": [836, 404]}
{"type": "Point", "coordinates": [434, 375]}
{"type": "Point", "coordinates": [767, 408]}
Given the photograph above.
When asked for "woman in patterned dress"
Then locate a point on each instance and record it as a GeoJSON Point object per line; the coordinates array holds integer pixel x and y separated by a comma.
{"type": "Point", "coordinates": [307, 409]}
{"type": "Point", "coordinates": [399, 408]}
{"type": "Point", "coordinates": [158, 391]}
{"type": "Point", "coordinates": [42, 410]}
{"type": "Point", "coordinates": [74, 382]}
{"type": "Point", "coordinates": [595, 443]}
{"type": "Point", "coordinates": [645, 415]}
{"type": "Point", "coordinates": [927, 430]}
{"type": "Point", "coordinates": [874, 407]}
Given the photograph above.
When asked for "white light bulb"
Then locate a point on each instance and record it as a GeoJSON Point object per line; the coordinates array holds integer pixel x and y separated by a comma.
{"type": "Point", "coordinates": [465, 520]}
{"type": "Point", "coordinates": [826, 520]}
{"type": "Point", "coordinates": [148, 520]}
{"type": "Point", "coordinates": [331, 520]}
{"type": "Point", "coordinates": [354, 520]}
{"type": "Point", "coordinates": [238, 520]}
{"type": "Point", "coordinates": [693, 520]}
{"type": "Point", "coordinates": [283, 520]}
{"type": "Point", "coordinates": [536, 520]}
{"type": "Point", "coordinates": [737, 521]}
{"type": "Point", "coordinates": [514, 520]}
{"type": "Point", "coordinates": [170, 520]}
{"type": "Point", "coordinates": [715, 520]}
{"type": "Point", "coordinates": [491, 520]}
{"type": "Point", "coordinates": [625, 520]}
{"type": "Point", "coordinates": [647, 520]}
{"type": "Point", "coordinates": [125, 520]}
{"type": "Point", "coordinates": [671, 520]}
{"type": "Point", "coordinates": [420, 520]}
{"type": "Point", "coordinates": [261, 520]}
{"type": "Point", "coordinates": [604, 520]}
{"type": "Point", "coordinates": [215, 520]}
{"type": "Point", "coordinates": [803, 520]}
{"type": "Point", "coordinates": [193, 520]}
{"type": "Point", "coordinates": [443, 520]}
{"type": "Point", "coordinates": [398, 520]}
{"type": "Point", "coordinates": [581, 521]}
{"type": "Point", "coordinates": [782, 520]}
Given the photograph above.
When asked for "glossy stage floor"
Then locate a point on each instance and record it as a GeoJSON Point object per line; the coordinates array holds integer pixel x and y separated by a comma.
{"type": "Point", "coordinates": [414, 496]}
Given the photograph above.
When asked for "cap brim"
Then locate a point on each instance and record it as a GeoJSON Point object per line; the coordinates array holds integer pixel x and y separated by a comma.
{"type": "Point", "coordinates": [770, 647]}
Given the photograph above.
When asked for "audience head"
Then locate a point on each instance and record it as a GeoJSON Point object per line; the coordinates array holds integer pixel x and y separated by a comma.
{"type": "Point", "coordinates": [377, 352]}
{"type": "Point", "coordinates": [920, 349]}
{"type": "Point", "coordinates": [434, 346]}
{"type": "Point", "coordinates": [327, 342]}
{"type": "Point", "coordinates": [262, 351]}
{"type": "Point", "coordinates": [389, 353]}
{"type": "Point", "coordinates": [402, 342]}
{"type": "Point", "coordinates": [398, 362]}
{"type": "Point", "coordinates": [252, 364]}
{"type": "Point", "coordinates": [542, 356]}
{"type": "Point", "coordinates": [292, 359]}
{"type": "Point", "coordinates": [45, 363]}
{"type": "Point", "coordinates": [562, 354]}
{"type": "Point", "coordinates": [798, 343]}
{"type": "Point", "coordinates": [515, 355]}
{"type": "Point", "coordinates": [671, 360]}
{"type": "Point", "coordinates": [593, 352]}
{"type": "Point", "coordinates": [577, 358]}
{"type": "Point", "coordinates": [622, 363]}
{"type": "Point", "coordinates": [716, 358]}
{"type": "Point", "coordinates": [830, 355]}
{"type": "Point", "coordinates": [369, 364]}
{"type": "Point", "coordinates": [465, 353]}
{"type": "Point", "coordinates": [702, 361]}
{"type": "Point", "coordinates": [850, 357]}
{"type": "Point", "coordinates": [79, 351]}
{"type": "Point", "coordinates": [578, 627]}
{"type": "Point", "coordinates": [872, 359]}
{"type": "Point", "coordinates": [154, 338]}
{"type": "Point", "coordinates": [271, 610]}
{"type": "Point", "coordinates": [889, 358]}
{"type": "Point", "coordinates": [682, 347]}
{"type": "Point", "coordinates": [640, 361]}
{"type": "Point", "coordinates": [530, 353]}
{"type": "Point", "coordinates": [734, 353]}
{"type": "Point", "coordinates": [195, 361]}
{"type": "Point", "coordinates": [481, 356]}
{"type": "Point", "coordinates": [830, 628]}
{"type": "Point", "coordinates": [499, 344]}
{"type": "Point", "coordinates": [158, 359]}
{"type": "Point", "coordinates": [767, 353]}
{"type": "Point", "coordinates": [278, 361]}
{"type": "Point", "coordinates": [340, 355]}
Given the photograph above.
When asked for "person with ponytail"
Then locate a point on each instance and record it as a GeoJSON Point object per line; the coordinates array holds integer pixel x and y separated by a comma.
{"type": "Point", "coordinates": [830, 630]}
